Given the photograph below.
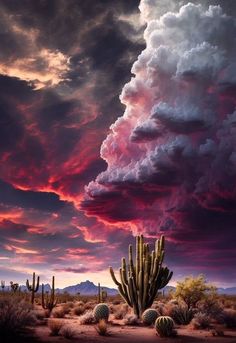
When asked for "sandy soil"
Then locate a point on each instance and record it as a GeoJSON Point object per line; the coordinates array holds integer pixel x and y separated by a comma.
{"type": "Point", "coordinates": [132, 334]}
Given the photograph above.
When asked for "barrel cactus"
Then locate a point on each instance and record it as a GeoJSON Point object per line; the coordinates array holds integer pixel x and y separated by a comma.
{"type": "Point", "coordinates": [101, 311]}
{"type": "Point", "coordinates": [165, 326]}
{"type": "Point", "coordinates": [149, 316]}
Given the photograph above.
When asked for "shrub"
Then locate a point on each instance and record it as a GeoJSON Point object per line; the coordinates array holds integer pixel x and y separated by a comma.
{"type": "Point", "coordinates": [101, 327]}
{"type": "Point", "coordinates": [131, 319]}
{"type": "Point", "coordinates": [68, 332]}
{"type": "Point", "coordinates": [55, 326]}
{"type": "Point", "coordinates": [87, 318]}
{"type": "Point", "coordinates": [210, 306]}
{"type": "Point", "coordinates": [15, 315]}
{"type": "Point", "coordinates": [228, 318]}
{"type": "Point", "coordinates": [59, 312]}
{"type": "Point", "coordinates": [192, 290]}
{"type": "Point", "coordinates": [201, 321]}
{"type": "Point", "coordinates": [182, 315]}
{"type": "Point", "coordinates": [120, 311]}
{"type": "Point", "coordinates": [79, 310]}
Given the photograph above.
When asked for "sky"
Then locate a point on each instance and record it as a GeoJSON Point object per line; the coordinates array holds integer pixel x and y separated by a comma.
{"type": "Point", "coordinates": [117, 118]}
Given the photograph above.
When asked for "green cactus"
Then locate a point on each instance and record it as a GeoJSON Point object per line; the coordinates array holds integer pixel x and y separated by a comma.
{"type": "Point", "coordinates": [33, 288]}
{"type": "Point", "coordinates": [165, 326]}
{"type": "Point", "coordinates": [49, 302]}
{"type": "Point", "coordinates": [102, 294]}
{"type": "Point", "coordinates": [149, 316]}
{"type": "Point", "coordinates": [14, 286]}
{"type": "Point", "coordinates": [101, 311]}
{"type": "Point", "coordinates": [140, 281]}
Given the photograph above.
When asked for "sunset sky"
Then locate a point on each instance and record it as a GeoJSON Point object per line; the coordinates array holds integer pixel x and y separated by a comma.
{"type": "Point", "coordinates": [117, 118]}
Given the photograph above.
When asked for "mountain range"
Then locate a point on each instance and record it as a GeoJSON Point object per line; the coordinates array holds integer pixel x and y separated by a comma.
{"type": "Point", "coordinates": [89, 288]}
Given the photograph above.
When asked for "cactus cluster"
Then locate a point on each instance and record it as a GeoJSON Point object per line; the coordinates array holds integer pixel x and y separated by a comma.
{"type": "Point", "coordinates": [33, 288]}
{"type": "Point", "coordinates": [165, 326]}
{"type": "Point", "coordinates": [140, 281]}
{"type": "Point", "coordinates": [49, 302]}
{"type": "Point", "coordinates": [101, 311]}
{"type": "Point", "coordinates": [149, 316]}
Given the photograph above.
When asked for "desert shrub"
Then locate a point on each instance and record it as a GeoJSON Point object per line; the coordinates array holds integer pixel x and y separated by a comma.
{"type": "Point", "coordinates": [160, 307]}
{"type": "Point", "coordinates": [201, 321]}
{"type": "Point", "coordinates": [211, 307]}
{"type": "Point", "coordinates": [102, 328]}
{"type": "Point", "coordinates": [15, 315]}
{"type": "Point", "coordinates": [181, 314]}
{"type": "Point", "coordinates": [79, 310]}
{"type": "Point", "coordinates": [192, 290]}
{"type": "Point", "coordinates": [120, 311]}
{"type": "Point", "coordinates": [87, 318]}
{"type": "Point", "coordinates": [68, 332]}
{"type": "Point", "coordinates": [228, 318]}
{"type": "Point", "coordinates": [131, 319]}
{"type": "Point", "coordinates": [89, 305]}
{"type": "Point", "coordinates": [59, 312]}
{"type": "Point", "coordinates": [55, 326]}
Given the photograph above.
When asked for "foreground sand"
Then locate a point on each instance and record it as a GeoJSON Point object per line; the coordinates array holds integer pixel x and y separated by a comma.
{"type": "Point", "coordinates": [132, 334]}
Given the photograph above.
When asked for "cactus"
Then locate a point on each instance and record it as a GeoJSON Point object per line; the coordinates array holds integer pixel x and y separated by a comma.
{"type": "Point", "coordinates": [149, 316]}
{"type": "Point", "coordinates": [140, 281]}
{"type": "Point", "coordinates": [102, 294]}
{"type": "Point", "coordinates": [101, 311]}
{"type": "Point", "coordinates": [165, 326]}
{"type": "Point", "coordinates": [33, 288]}
{"type": "Point", "coordinates": [2, 285]}
{"type": "Point", "coordinates": [49, 302]}
{"type": "Point", "coordinates": [14, 286]}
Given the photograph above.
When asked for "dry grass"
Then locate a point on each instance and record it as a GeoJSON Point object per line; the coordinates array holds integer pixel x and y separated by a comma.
{"type": "Point", "coordinates": [78, 310]}
{"type": "Point", "coordinates": [201, 321]}
{"type": "Point", "coordinates": [68, 332]}
{"type": "Point", "coordinates": [87, 318]}
{"type": "Point", "coordinates": [55, 326]}
{"type": "Point", "coordinates": [15, 315]}
{"type": "Point", "coordinates": [131, 319]}
{"type": "Point", "coordinates": [102, 328]}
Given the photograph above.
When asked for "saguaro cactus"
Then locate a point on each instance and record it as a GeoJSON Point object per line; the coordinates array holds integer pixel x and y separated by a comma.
{"type": "Point", "coordinates": [140, 281]}
{"type": "Point", "coordinates": [102, 294]}
{"type": "Point", "coordinates": [49, 302]}
{"type": "Point", "coordinates": [33, 288]}
{"type": "Point", "coordinates": [2, 285]}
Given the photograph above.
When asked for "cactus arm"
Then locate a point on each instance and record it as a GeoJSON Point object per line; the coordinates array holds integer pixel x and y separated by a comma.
{"type": "Point", "coordinates": [113, 277]}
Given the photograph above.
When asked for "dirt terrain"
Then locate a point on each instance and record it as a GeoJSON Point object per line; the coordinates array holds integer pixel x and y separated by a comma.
{"type": "Point", "coordinates": [120, 333]}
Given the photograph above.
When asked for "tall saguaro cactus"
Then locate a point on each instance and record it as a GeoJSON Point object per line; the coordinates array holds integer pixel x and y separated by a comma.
{"type": "Point", "coordinates": [49, 302]}
{"type": "Point", "coordinates": [140, 281]}
{"type": "Point", "coordinates": [33, 288]}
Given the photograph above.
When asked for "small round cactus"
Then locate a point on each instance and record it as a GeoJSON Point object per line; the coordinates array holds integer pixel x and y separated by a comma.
{"type": "Point", "coordinates": [149, 316]}
{"type": "Point", "coordinates": [101, 311]}
{"type": "Point", "coordinates": [165, 326]}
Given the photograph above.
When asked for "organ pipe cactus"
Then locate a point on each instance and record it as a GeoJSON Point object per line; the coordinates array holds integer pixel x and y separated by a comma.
{"type": "Point", "coordinates": [140, 280]}
{"type": "Point", "coordinates": [33, 288]}
{"type": "Point", "coordinates": [49, 302]}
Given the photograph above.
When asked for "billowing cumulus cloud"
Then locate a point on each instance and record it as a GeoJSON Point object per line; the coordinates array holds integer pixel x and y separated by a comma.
{"type": "Point", "coordinates": [172, 153]}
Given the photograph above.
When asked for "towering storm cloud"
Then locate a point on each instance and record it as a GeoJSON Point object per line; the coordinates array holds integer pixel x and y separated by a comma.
{"type": "Point", "coordinates": [171, 157]}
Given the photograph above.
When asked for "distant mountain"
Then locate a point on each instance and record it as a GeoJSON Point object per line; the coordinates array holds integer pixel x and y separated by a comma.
{"type": "Point", "coordinates": [227, 291]}
{"type": "Point", "coordinates": [87, 288]}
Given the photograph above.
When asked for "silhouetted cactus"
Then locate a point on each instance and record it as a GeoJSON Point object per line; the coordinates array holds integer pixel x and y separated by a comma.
{"type": "Point", "coordinates": [49, 301]}
{"type": "Point", "coordinates": [164, 326]}
{"type": "Point", "coordinates": [33, 288]}
{"type": "Point", "coordinates": [2, 285]}
{"type": "Point", "coordinates": [14, 286]}
{"type": "Point", "coordinates": [140, 281]}
{"type": "Point", "coordinates": [101, 311]}
{"type": "Point", "coordinates": [149, 316]}
{"type": "Point", "coordinates": [102, 294]}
